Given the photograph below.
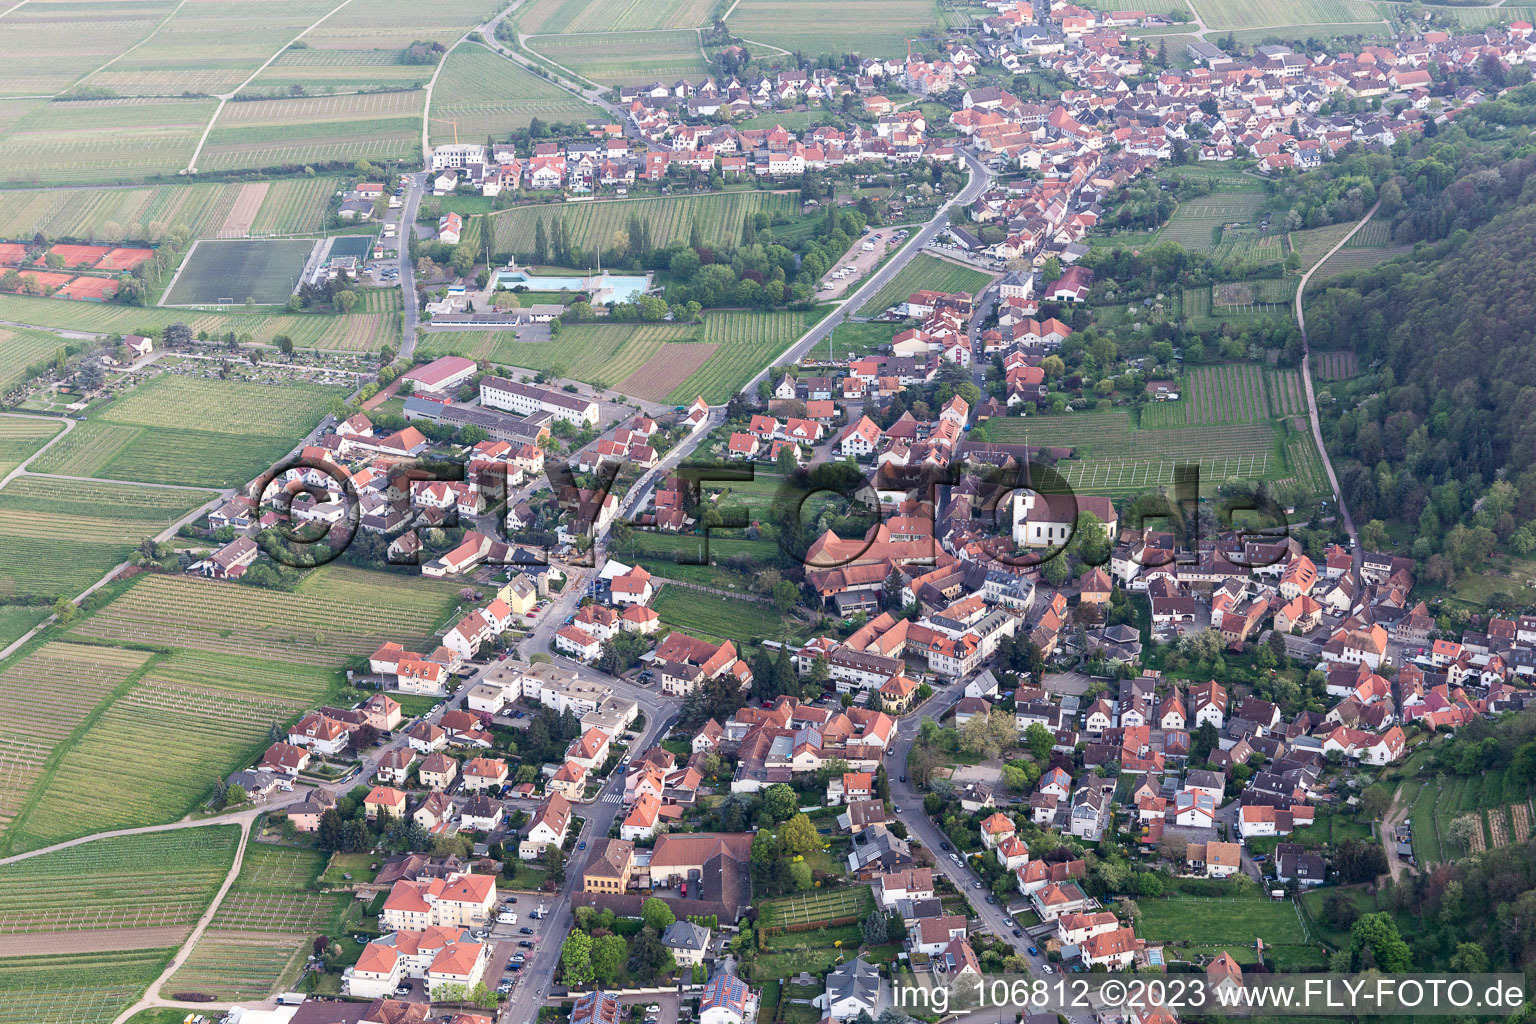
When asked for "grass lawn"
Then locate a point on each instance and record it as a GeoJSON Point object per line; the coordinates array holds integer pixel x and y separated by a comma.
{"type": "Point", "coordinates": [1234, 919]}
{"type": "Point", "coordinates": [526, 878]}
{"type": "Point", "coordinates": [854, 338]}
{"type": "Point", "coordinates": [711, 615]}
{"type": "Point", "coordinates": [926, 272]}
{"type": "Point", "coordinates": [359, 865]}
{"type": "Point", "coordinates": [413, 705]}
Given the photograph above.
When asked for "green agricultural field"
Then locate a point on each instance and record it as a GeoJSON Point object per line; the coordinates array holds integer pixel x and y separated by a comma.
{"type": "Point", "coordinates": [375, 126]}
{"type": "Point", "coordinates": [58, 537]}
{"type": "Point", "coordinates": [146, 214]}
{"type": "Point", "coordinates": [17, 619]}
{"type": "Point", "coordinates": [20, 349]}
{"type": "Point", "coordinates": [84, 988]}
{"type": "Point", "coordinates": [1198, 223]}
{"type": "Point", "coordinates": [711, 615]}
{"type": "Point", "coordinates": [158, 880]}
{"type": "Point", "coordinates": [103, 141]}
{"type": "Point", "coordinates": [20, 436]}
{"type": "Point", "coordinates": [241, 428]}
{"type": "Point", "coordinates": [659, 362]}
{"type": "Point", "coordinates": [872, 28]}
{"type": "Point", "coordinates": [53, 689]}
{"type": "Point", "coordinates": [625, 58]}
{"type": "Point", "coordinates": [1113, 457]}
{"type": "Point", "coordinates": [1307, 15]}
{"type": "Point", "coordinates": [718, 217]}
{"type": "Point", "coordinates": [926, 272]}
{"type": "Point", "coordinates": [152, 754]}
{"type": "Point", "coordinates": [48, 45]}
{"type": "Point", "coordinates": [261, 932]}
{"type": "Point", "coordinates": [569, 16]}
{"type": "Point", "coordinates": [481, 93]}
{"type": "Point", "coordinates": [209, 46]}
{"type": "Point", "coordinates": [231, 272]}
{"type": "Point", "coordinates": [358, 332]}
{"type": "Point", "coordinates": [1314, 243]}
{"type": "Point", "coordinates": [336, 614]}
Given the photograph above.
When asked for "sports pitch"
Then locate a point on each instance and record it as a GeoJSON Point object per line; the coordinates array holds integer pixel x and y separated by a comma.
{"type": "Point", "coordinates": [231, 271]}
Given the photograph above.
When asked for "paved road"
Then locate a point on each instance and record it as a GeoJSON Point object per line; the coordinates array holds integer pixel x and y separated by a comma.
{"type": "Point", "coordinates": [979, 180]}
{"type": "Point", "coordinates": [1306, 380]}
{"type": "Point", "coordinates": [412, 317]}
{"type": "Point", "coordinates": [993, 917]}
{"type": "Point", "coordinates": [535, 978]}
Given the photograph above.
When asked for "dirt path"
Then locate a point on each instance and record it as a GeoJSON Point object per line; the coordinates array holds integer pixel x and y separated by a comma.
{"type": "Point", "coordinates": [1306, 380]}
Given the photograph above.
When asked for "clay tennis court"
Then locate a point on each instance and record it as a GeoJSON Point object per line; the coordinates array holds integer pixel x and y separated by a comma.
{"type": "Point", "coordinates": [92, 288]}
{"type": "Point", "coordinates": [46, 279]}
{"type": "Point", "coordinates": [124, 259]}
{"type": "Point", "coordinates": [12, 253]}
{"type": "Point", "coordinates": [75, 255]}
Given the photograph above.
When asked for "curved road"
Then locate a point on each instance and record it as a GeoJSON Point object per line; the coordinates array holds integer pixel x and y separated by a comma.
{"type": "Point", "coordinates": [1306, 380]}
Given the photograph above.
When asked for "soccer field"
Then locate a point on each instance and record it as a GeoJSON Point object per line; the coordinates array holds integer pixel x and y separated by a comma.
{"type": "Point", "coordinates": [231, 272]}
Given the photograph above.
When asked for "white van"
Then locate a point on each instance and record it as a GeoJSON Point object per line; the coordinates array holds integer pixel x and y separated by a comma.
{"type": "Point", "coordinates": [507, 917]}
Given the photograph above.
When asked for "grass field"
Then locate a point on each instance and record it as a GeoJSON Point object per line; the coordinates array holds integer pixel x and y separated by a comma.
{"type": "Point", "coordinates": [53, 689]}
{"type": "Point", "coordinates": [359, 332]}
{"type": "Point", "coordinates": [92, 141]}
{"type": "Point", "coordinates": [60, 536]}
{"type": "Point", "coordinates": [146, 214]}
{"type": "Point", "coordinates": [1116, 458]}
{"type": "Point", "coordinates": [378, 127]}
{"type": "Point", "coordinates": [261, 932]}
{"type": "Point", "coordinates": [718, 216]}
{"type": "Point", "coordinates": [153, 753]}
{"type": "Point", "coordinates": [1197, 223]}
{"type": "Point", "coordinates": [1304, 15]}
{"type": "Point", "coordinates": [701, 614]}
{"type": "Point", "coordinates": [871, 28]}
{"type": "Point", "coordinates": [266, 272]}
{"type": "Point", "coordinates": [1228, 919]}
{"type": "Point", "coordinates": [86, 988]}
{"type": "Point", "coordinates": [185, 430]}
{"type": "Point", "coordinates": [630, 358]}
{"type": "Point", "coordinates": [926, 272]}
{"type": "Point", "coordinates": [481, 93]}
{"type": "Point", "coordinates": [20, 436]}
{"type": "Point", "coordinates": [159, 880]}
{"type": "Point", "coordinates": [625, 58]}
{"type": "Point", "coordinates": [16, 619]}
{"type": "Point", "coordinates": [337, 613]}
{"type": "Point", "coordinates": [567, 16]}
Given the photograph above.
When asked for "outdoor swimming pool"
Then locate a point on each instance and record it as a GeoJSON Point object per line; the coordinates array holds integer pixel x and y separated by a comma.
{"type": "Point", "coordinates": [606, 288]}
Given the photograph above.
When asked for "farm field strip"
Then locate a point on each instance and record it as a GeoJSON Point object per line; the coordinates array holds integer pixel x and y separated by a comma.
{"type": "Point", "coordinates": [337, 613]}
{"type": "Point", "coordinates": [260, 932]}
{"type": "Point", "coordinates": [858, 26]}
{"type": "Point", "coordinates": [718, 216]}
{"type": "Point", "coordinates": [926, 271]}
{"type": "Point", "coordinates": [20, 349]}
{"type": "Point", "coordinates": [147, 881]}
{"type": "Point", "coordinates": [103, 141]}
{"type": "Point", "coordinates": [52, 689]}
{"type": "Point", "coordinates": [625, 58]}
{"type": "Point", "coordinates": [483, 93]}
{"type": "Point", "coordinates": [1309, 15]}
{"type": "Point", "coordinates": [88, 988]}
{"type": "Point", "coordinates": [147, 214]}
{"type": "Point", "coordinates": [566, 17]}
{"type": "Point", "coordinates": [151, 755]}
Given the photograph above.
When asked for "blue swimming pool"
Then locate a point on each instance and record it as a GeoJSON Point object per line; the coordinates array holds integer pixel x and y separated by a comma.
{"type": "Point", "coordinates": [605, 288]}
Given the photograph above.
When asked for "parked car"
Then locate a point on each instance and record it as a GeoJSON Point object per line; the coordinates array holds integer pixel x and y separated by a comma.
{"type": "Point", "coordinates": [525, 931]}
